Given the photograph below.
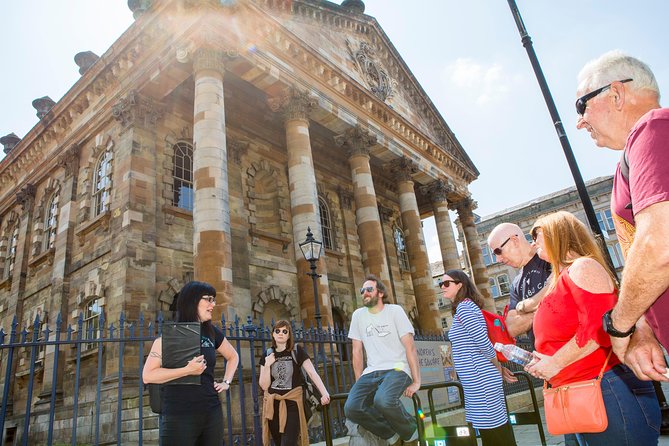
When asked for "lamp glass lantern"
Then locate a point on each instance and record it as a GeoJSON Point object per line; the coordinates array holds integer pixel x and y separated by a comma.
{"type": "Point", "coordinates": [311, 248]}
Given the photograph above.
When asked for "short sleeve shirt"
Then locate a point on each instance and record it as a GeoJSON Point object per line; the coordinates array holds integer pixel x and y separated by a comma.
{"type": "Point", "coordinates": [381, 335]}
{"type": "Point", "coordinates": [530, 281]}
{"type": "Point", "coordinates": [647, 150]}
{"type": "Point", "coordinates": [285, 373]}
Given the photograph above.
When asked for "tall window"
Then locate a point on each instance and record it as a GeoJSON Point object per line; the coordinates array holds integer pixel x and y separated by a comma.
{"type": "Point", "coordinates": [91, 325]}
{"type": "Point", "coordinates": [444, 323]}
{"type": "Point", "coordinates": [11, 252]}
{"type": "Point", "coordinates": [400, 245]}
{"type": "Point", "coordinates": [616, 255]}
{"type": "Point", "coordinates": [326, 223]}
{"type": "Point", "coordinates": [503, 281]}
{"type": "Point", "coordinates": [183, 176]}
{"type": "Point", "coordinates": [608, 218]}
{"type": "Point", "coordinates": [102, 184]}
{"type": "Point", "coordinates": [493, 288]}
{"type": "Point", "coordinates": [50, 224]}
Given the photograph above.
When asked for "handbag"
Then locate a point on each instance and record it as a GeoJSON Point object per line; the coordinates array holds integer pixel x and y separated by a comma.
{"type": "Point", "coordinates": [576, 407]}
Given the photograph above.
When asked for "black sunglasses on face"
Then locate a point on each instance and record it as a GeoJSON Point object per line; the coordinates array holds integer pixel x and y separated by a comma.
{"type": "Point", "coordinates": [498, 251]}
{"type": "Point", "coordinates": [446, 283]}
{"type": "Point", "coordinates": [582, 102]}
{"type": "Point", "coordinates": [369, 289]}
{"type": "Point", "coordinates": [281, 330]}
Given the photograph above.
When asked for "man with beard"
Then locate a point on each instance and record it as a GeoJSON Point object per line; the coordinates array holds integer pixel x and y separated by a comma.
{"type": "Point", "coordinates": [385, 332]}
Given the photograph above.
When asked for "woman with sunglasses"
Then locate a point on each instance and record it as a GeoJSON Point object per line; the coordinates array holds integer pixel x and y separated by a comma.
{"type": "Point", "coordinates": [192, 414]}
{"type": "Point", "coordinates": [475, 361]}
{"type": "Point", "coordinates": [281, 379]}
{"type": "Point", "coordinates": [570, 341]}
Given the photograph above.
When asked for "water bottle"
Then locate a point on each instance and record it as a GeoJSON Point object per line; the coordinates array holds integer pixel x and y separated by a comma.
{"type": "Point", "coordinates": [514, 353]}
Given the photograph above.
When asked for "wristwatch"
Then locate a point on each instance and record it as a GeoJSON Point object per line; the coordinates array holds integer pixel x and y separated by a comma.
{"type": "Point", "coordinates": [227, 381]}
{"type": "Point", "coordinates": [610, 329]}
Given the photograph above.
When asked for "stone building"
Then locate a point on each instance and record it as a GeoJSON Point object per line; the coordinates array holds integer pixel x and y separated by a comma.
{"type": "Point", "coordinates": [524, 215]}
{"type": "Point", "coordinates": [203, 144]}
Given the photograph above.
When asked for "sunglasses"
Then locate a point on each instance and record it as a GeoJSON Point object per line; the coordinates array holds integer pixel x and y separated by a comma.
{"type": "Point", "coordinates": [498, 251]}
{"type": "Point", "coordinates": [446, 283]}
{"type": "Point", "coordinates": [582, 102]}
{"type": "Point", "coordinates": [369, 289]}
{"type": "Point", "coordinates": [210, 299]}
{"type": "Point", "coordinates": [281, 331]}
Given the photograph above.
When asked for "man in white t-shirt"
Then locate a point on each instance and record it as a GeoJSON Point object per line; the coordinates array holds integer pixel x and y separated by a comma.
{"type": "Point", "coordinates": [386, 334]}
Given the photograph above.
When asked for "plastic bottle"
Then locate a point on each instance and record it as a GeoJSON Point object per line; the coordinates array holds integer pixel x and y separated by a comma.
{"type": "Point", "coordinates": [514, 353]}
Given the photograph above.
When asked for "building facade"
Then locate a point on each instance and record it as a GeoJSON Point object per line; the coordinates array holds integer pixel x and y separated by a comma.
{"type": "Point", "coordinates": [204, 144]}
{"type": "Point", "coordinates": [524, 215]}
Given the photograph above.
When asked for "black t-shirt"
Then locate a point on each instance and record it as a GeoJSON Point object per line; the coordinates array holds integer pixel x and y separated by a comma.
{"type": "Point", "coordinates": [529, 282]}
{"type": "Point", "coordinates": [286, 375]}
{"type": "Point", "coordinates": [182, 398]}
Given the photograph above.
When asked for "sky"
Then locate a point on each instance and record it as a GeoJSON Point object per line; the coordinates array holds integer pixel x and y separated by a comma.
{"type": "Point", "coordinates": [467, 55]}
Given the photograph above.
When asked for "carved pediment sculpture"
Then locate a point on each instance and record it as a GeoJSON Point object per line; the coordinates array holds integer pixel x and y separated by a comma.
{"type": "Point", "coordinates": [378, 80]}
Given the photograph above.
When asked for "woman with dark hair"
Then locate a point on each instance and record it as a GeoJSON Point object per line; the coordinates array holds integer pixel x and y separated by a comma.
{"type": "Point", "coordinates": [476, 362]}
{"type": "Point", "coordinates": [570, 341]}
{"type": "Point", "coordinates": [192, 414]}
{"type": "Point", "coordinates": [281, 379]}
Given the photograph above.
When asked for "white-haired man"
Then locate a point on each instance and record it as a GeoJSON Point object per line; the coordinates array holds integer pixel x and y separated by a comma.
{"type": "Point", "coordinates": [619, 105]}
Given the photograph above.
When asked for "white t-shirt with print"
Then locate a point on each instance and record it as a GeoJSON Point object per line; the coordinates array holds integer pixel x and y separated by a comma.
{"type": "Point", "coordinates": [380, 334]}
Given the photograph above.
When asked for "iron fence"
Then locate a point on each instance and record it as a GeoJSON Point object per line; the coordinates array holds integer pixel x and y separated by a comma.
{"type": "Point", "coordinates": [81, 384]}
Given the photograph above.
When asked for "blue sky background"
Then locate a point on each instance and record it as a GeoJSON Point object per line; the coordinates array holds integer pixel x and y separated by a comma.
{"type": "Point", "coordinates": [466, 54]}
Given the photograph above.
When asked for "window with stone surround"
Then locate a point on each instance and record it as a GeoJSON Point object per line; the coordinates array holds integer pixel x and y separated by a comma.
{"type": "Point", "coordinates": [494, 290]}
{"type": "Point", "coordinates": [444, 323]}
{"type": "Point", "coordinates": [400, 246]}
{"type": "Point", "coordinates": [182, 175]}
{"type": "Point", "coordinates": [503, 281]}
{"type": "Point", "coordinates": [10, 257]}
{"type": "Point", "coordinates": [50, 223]}
{"type": "Point", "coordinates": [102, 180]}
{"type": "Point", "coordinates": [91, 326]}
{"type": "Point", "coordinates": [326, 224]}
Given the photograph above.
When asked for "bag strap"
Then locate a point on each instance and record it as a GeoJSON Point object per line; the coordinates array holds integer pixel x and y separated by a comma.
{"type": "Point", "coordinates": [601, 372]}
{"type": "Point", "coordinates": [625, 166]}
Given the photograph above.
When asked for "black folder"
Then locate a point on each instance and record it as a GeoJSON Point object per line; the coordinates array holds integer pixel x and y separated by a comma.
{"type": "Point", "coordinates": [181, 342]}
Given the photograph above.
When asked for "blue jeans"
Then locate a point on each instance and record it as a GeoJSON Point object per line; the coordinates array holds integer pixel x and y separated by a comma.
{"type": "Point", "coordinates": [374, 403]}
{"type": "Point", "coordinates": [632, 409]}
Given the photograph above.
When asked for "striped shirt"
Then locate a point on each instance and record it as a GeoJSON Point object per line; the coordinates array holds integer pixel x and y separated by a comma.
{"type": "Point", "coordinates": [472, 353]}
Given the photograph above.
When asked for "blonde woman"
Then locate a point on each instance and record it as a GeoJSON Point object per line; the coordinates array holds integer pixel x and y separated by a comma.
{"type": "Point", "coordinates": [571, 344]}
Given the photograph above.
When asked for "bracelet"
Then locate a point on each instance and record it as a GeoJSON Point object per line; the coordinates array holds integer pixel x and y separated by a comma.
{"type": "Point", "coordinates": [227, 381]}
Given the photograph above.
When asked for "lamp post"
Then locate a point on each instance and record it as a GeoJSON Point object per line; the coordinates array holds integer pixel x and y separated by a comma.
{"type": "Point", "coordinates": [311, 250]}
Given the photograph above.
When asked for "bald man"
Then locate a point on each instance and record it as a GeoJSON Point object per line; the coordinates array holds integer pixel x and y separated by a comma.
{"type": "Point", "coordinates": [510, 246]}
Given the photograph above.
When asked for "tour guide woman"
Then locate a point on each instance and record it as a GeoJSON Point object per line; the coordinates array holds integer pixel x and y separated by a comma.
{"type": "Point", "coordinates": [191, 414]}
{"type": "Point", "coordinates": [281, 380]}
{"type": "Point", "coordinates": [570, 341]}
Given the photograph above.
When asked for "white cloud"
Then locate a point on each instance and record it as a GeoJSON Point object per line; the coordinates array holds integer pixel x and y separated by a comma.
{"type": "Point", "coordinates": [484, 83]}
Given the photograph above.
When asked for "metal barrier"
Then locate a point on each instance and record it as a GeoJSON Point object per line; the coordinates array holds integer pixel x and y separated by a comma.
{"type": "Point", "coordinates": [529, 418]}
{"type": "Point", "coordinates": [452, 435]}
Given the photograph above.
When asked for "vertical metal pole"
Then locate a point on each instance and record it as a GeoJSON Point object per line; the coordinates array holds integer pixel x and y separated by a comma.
{"type": "Point", "coordinates": [557, 122]}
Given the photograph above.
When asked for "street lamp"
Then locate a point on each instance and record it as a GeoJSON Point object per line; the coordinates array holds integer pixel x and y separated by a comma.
{"type": "Point", "coordinates": [311, 250]}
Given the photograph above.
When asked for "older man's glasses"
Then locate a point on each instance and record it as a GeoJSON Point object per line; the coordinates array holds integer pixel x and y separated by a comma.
{"type": "Point", "coordinates": [368, 289]}
{"type": "Point", "coordinates": [210, 299]}
{"type": "Point", "coordinates": [446, 283]}
{"type": "Point", "coordinates": [281, 331]}
{"type": "Point", "coordinates": [582, 102]}
{"type": "Point", "coordinates": [498, 251]}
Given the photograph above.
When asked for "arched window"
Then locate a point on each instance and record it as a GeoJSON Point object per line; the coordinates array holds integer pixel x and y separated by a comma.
{"type": "Point", "coordinates": [102, 184]}
{"type": "Point", "coordinates": [11, 252]}
{"type": "Point", "coordinates": [183, 176]}
{"type": "Point", "coordinates": [326, 224]}
{"type": "Point", "coordinates": [400, 246]}
{"type": "Point", "coordinates": [50, 224]}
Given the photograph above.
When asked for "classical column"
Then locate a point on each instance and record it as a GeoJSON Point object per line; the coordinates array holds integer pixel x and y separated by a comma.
{"type": "Point", "coordinates": [438, 192]}
{"type": "Point", "coordinates": [212, 246]}
{"type": "Point", "coordinates": [358, 141]}
{"type": "Point", "coordinates": [295, 105]}
{"type": "Point", "coordinates": [465, 208]}
{"type": "Point", "coordinates": [421, 276]}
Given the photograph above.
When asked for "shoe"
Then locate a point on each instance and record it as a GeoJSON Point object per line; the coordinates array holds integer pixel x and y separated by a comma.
{"type": "Point", "coordinates": [411, 443]}
{"type": "Point", "coordinates": [392, 442]}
